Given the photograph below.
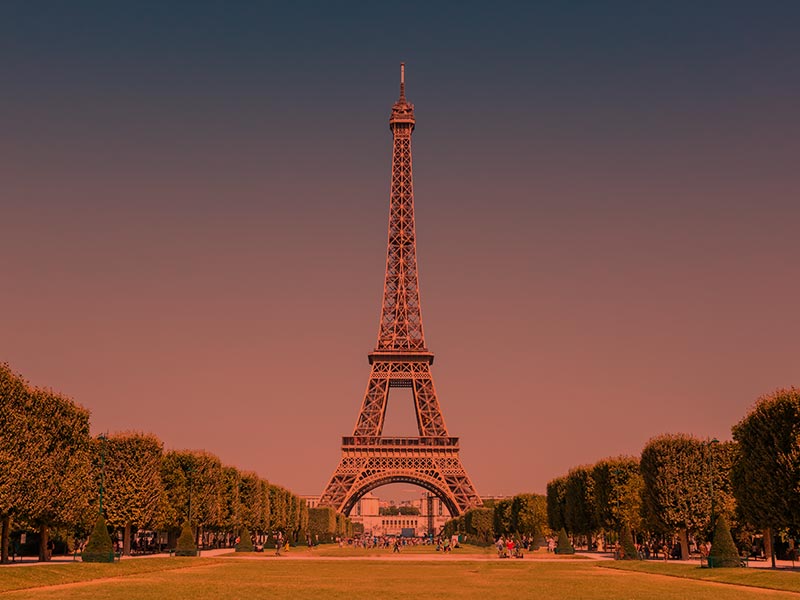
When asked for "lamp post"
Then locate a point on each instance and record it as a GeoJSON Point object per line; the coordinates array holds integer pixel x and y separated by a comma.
{"type": "Point", "coordinates": [710, 445]}
{"type": "Point", "coordinates": [102, 437]}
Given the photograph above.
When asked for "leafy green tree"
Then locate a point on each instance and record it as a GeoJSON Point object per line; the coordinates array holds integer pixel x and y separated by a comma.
{"type": "Point", "coordinates": [479, 524]}
{"type": "Point", "coordinates": [279, 509]}
{"type": "Point", "coordinates": [132, 481]}
{"type": "Point", "coordinates": [529, 514]}
{"type": "Point", "coordinates": [58, 478]}
{"type": "Point", "coordinates": [15, 449]}
{"type": "Point", "coordinates": [556, 501]}
{"type": "Point", "coordinates": [617, 493]}
{"type": "Point", "coordinates": [579, 510]}
{"type": "Point", "coordinates": [767, 467]}
{"type": "Point", "coordinates": [723, 550]}
{"type": "Point", "coordinates": [251, 493]}
{"type": "Point", "coordinates": [322, 523]}
{"type": "Point", "coordinates": [231, 501]}
{"type": "Point", "coordinates": [677, 476]}
{"type": "Point", "coordinates": [502, 516]}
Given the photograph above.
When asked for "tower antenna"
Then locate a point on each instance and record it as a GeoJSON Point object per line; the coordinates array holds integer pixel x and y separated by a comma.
{"type": "Point", "coordinates": [402, 81]}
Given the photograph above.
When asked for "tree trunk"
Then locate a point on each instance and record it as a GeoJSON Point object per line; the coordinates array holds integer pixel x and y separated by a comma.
{"type": "Point", "coordinates": [684, 540]}
{"type": "Point", "coordinates": [4, 539]}
{"type": "Point", "coordinates": [769, 546]}
{"type": "Point", "coordinates": [126, 539]}
{"type": "Point", "coordinates": [44, 538]}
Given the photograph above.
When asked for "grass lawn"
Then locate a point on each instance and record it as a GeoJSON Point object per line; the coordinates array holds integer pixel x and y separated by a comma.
{"type": "Point", "coordinates": [276, 578]}
{"type": "Point", "coordinates": [762, 578]}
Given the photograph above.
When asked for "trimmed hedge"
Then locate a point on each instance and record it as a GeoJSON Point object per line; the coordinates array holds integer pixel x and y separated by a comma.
{"type": "Point", "coordinates": [723, 550]}
{"type": "Point", "coordinates": [245, 542]}
{"type": "Point", "coordinates": [99, 547]}
{"type": "Point", "coordinates": [564, 545]}
{"type": "Point", "coordinates": [186, 546]}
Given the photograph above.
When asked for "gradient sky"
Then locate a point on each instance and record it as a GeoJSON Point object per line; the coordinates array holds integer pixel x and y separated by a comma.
{"type": "Point", "coordinates": [194, 199]}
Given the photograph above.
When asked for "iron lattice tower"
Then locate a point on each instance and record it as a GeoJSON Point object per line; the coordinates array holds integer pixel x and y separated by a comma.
{"type": "Point", "coordinates": [401, 360]}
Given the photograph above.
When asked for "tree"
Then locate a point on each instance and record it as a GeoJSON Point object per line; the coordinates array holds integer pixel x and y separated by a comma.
{"type": "Point", "coordinates": [579, 508]}
{"type": "Point", "coordinates": [245, 541]}
{"type": "Point", "coordinates": [132, 481]}
{"type": "Point", "coordinates": [322, 523]}
{"type": "Point", "coordinates": [529, 514]}
{"type": "Point", "coordinates": [677, 476]}
{"type": "Point", "coordinates": [15, 449]}
{"type": "Point", "coordinates": [617, 493]}
{"type": "Point", "coordinates": [556, 499]}
{"type": "Point", "coordinates": [57, 479]}
{"type": "Point", "coordinates": [502, 516]}
{"type": "Point", "coordinates": [186, 544]}
{"type": "Point", "coordinates": [478, 523]}
{"type": "Point", "coordinates": [767, 465]}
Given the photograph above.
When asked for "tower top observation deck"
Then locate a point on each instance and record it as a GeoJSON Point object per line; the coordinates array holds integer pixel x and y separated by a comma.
{"type": "Point", "coordinates": [403, 110]}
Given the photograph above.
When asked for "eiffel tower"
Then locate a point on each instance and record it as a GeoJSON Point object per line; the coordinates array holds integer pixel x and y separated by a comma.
{"type": "Point", "coordinates": [401, 360]}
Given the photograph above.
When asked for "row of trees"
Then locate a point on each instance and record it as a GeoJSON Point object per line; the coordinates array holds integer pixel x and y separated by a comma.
{"type": "Point", "coordinates": [52, 472]}
{"type": "Point", "coordinates": [521, 515]}
{"type": "Point", "coordinates": [680, 483]}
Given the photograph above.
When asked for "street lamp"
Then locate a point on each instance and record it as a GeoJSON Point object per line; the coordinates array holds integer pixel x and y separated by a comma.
{"type": "Point", "coordinates": [710, 444]}
{"type": "Point", "coordinates": [102, 437]}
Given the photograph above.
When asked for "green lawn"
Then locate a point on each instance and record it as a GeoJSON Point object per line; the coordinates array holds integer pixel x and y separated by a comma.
{"type": "Point", "coordinates": [276, 578]}
{"type": "Point", "coordinates": [762, 578]}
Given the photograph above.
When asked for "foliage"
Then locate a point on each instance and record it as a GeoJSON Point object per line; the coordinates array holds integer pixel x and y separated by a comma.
{"type": "Point", "coordinates": [245, 541]}
{"type": "Point", "coordinates": [723, 550]}
{"type": "Point", "coordinates": [564, 545]}
{"type": "Point", "coordinates": [677, 477]}
{"type": "Point", "coordinates": [579, 510]}
{"type": "Point", "coordinates": [186, 545]}
{"type": "Point", "coordinates": [628, 547]}
{"type": "Point", "coordinates": [99, 547]}
{"type": "Point", "coordinates": [617, 487]}
{"type": "Point", "coordinates": [529, 514]}
{"type": "Point", "coordinates": [132, 483]}
{"type": "Point", "coordinates": [478, 525]}
{"type": "Point", "coordinates": [502, 516]}
{"type": "Point", "coordinates": [321, 521]}
{"type": "Point", "coordinates": [556, 499]}
{"type": "Point", "coordinates": [392, 511]}
{"type": "Point", "coordinates": [767, 467]}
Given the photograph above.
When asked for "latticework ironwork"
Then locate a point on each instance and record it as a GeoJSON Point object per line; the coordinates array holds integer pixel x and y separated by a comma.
{"type": "Point", "coordinates": [401, 359]}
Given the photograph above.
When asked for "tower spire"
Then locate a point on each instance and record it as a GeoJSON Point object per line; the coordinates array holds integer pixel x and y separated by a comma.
{"type": "Point", "coordinates": [402, 82]}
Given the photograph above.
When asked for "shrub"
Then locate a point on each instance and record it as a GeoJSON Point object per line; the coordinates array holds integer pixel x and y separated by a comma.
{"type": "Point", "coordinates": [564, 545]}
{"type": "Point", "coordinates": [246, 542]}
{"type": "Point", "coordinates": [99, 547]}
{"type": "Point", "coordinates": [629, 551]}
{"type": "Point", "coordinates": [723, 550]}
{"type": "Point", "coordinates": [186, 546]}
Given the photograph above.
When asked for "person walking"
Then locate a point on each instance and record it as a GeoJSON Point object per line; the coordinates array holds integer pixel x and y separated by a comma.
{"type": "Point", "coordinates": [278, 543]}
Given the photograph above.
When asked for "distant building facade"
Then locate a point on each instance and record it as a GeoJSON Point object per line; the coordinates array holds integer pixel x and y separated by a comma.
{"type": "Point", "coordinates": [433, 514]}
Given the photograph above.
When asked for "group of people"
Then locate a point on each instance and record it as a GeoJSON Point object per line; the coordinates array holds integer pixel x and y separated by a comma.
{"type": "Point", "coordinates": [508, 547]}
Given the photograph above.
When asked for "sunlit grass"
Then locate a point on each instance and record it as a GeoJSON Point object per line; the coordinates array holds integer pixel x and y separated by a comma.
{"type": "Point", "coordinates": [275, 578]}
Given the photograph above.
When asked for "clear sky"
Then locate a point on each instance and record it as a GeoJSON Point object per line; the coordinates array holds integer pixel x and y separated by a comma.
{"type": "Point", "coordinates": [194, 198]}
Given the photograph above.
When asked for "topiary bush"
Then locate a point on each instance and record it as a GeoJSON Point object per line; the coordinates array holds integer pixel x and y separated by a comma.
{"type": "Point", "coordinates": [99, 547]}
{"type": "Point", "coordinates": [723, 550]}
{"type": "Point", "coordinates": [564, 545]}
{"type": "Point", "coordinates": [629, 551]}
{"type": "Point", "coordinates": [246, 542]}
{"type": "Point", "coordinates": [186, 545]}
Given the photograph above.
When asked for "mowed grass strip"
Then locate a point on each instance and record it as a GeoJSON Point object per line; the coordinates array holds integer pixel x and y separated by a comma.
{"type": "Point", "coordinates": [353, 580]}
{"type": "Point", "coordinates": [31, 576]}
{"type": "Point", "coordinates": [760, 578]}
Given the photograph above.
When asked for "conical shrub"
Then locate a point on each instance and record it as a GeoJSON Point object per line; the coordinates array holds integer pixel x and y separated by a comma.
{"type": "Point", "coordinates": [99, 547]}
{"type": "Point", "coordinates": [245, 542]}
{"type": "Point", "coordinates": [723, 550]}
{"type": "Point", "coordinates": [629, 551]}
{"type": "Point", "coordinates": [186, 546]}
{"type": "Point", "coordinates": [564, 545]}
